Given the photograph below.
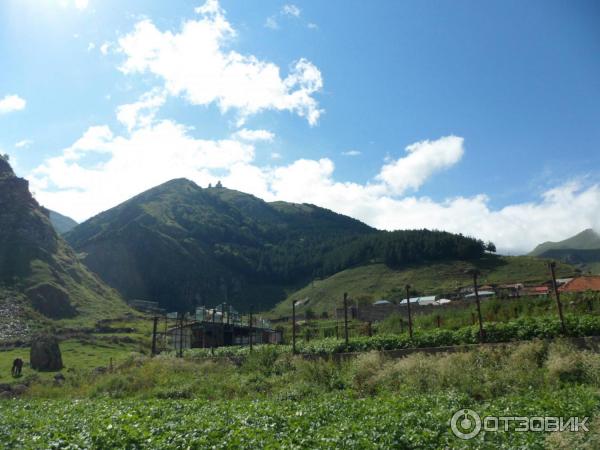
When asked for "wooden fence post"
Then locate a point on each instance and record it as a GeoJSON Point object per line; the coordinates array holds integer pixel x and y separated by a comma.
{"type": "Point", "coordinates": [154, 326]}
{"type": "Point", "coordinates": [558, 303]}
{"type": "Point", "coordinates": [346, 318]}
{"type": "Point", "coordinates": [410, 325]}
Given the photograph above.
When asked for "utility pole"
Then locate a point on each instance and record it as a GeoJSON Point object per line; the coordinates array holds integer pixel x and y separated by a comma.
{"type": "Point", "coordinates": [232, 323]}
{"type": "Point", "coordinates": [346, 318]}
{"type": "Point", "coordinates": [410, 326]}
{"type": "Point", "coordinates": [165, 335]}
{"type": "Point", "coordinates": [552, 266]}
{"type": "Point", "coordinates": [181, 335]}
{"type": "Point", "coordinates": [475, 273]}
{"type": "Point", "coordinates": [251, 330]}
{"type": "Point", "coordinates": [154, 326]}
{"type": "Point", "coordinates": [294, 326]}
{"type": "Point", "coordinates": [213, 337]}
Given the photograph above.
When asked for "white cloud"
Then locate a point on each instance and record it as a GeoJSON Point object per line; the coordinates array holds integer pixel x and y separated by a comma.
{"type": "Point", "coordinates": [290, 10]}
{"type": "Point", "coordinates": [91, 46]}
{"type": "Point", "coordinates": [424, 159]}
{"type": "Point", "coordinates": [351, 153]}
{"type": "Point", "coordinates": [104, 167]}
{"type": "Point", "coordinates": [12, 103]}
{"type": "Point", "coordinates": [196, 63]}
{"type": "Point", "coordinates": [157, 152]}
{"type": "Point", "coordinates": [23, 143]}
{"type": "Point", "coordinates": [128, 165]}
{"type": "Point", "coordinates": [210, 7]}
{"type": "Point", "coordinates": [271, 23]}
{"type": "Point", "coordinates": [559, 213]}
{"type": "Point", "coordinates": [105, 48]}
{"type": "Point", "coordinates": [81, 4]}
{"type": "Point", "coordinates": [312, 26]}
{"type": "Point", "coordinates": [254, 135]}
{"type": "Point", "coordinates": [142, 112]}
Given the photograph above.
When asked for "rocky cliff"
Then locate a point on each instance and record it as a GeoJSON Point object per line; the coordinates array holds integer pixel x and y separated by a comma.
{"type": "Point", "coordinates": [39, 266]}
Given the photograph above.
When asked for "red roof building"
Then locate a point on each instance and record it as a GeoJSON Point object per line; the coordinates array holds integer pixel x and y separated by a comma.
{"type": "Point", "coordinates": [535, 290]}
{"type": "Point", "coordinates": [582, 284]}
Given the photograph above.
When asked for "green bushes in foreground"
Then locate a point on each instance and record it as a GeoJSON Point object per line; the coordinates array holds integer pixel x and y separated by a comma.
{"type": "Point", "coordinates": [330, 422]}
{"type": "Point", "coordinates": [367, 402]}
{"type": "Point", "coordinates": [515, 330]}
{"type": "Point", "coordinates": [481, 373]}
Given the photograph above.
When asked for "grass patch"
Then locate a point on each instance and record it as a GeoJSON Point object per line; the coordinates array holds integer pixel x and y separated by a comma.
{"type": "Point", "coordinates": [376, 281]}
{"type": "Point", "coordinates": [283, 401]}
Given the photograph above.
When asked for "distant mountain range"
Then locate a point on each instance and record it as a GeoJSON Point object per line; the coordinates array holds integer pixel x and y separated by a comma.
{"type": "Point", "coordinates": [62, 224]}
{"type": "Point", "coordinates": [583, 250]}
{"type": "Point", "coordinates": [37, 267]}
{"type": "Point", "coordinates": [182, 245]}
{"type": "Point", "coordinates": [586, 240]}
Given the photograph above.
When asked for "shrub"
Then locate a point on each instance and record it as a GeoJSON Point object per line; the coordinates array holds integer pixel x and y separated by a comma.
{"type": "Point", "coordinates": [564, 364]}
{"type": "Point", "coordinates": [365, 372]}
{"type": "Point", "coordinates": [323, 373]}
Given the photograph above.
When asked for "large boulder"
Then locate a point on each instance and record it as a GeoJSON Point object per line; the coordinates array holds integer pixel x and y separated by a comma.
{"type": "Point", "coordinates": [45, 354]}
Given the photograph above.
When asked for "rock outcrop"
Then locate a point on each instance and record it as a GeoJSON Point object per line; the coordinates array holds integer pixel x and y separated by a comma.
{"type": "Point", "coordinates": [45, 354]}
{"type": "Point", "coordinates": [36, 264]}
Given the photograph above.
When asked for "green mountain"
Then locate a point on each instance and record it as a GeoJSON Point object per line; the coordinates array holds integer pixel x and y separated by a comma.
{"type": "Point", "coordinates": [372, 282]}
{"type": "Point", "coordinates": [62, 224]}
{"type": "Point", "coordinates": [182, 245]}
{"type": "Point", "coordinates": [582, 250]}
{"type": "Point", "coordinates": [586, 240]}
{"type": "Point", "coordinates": [38, 269]}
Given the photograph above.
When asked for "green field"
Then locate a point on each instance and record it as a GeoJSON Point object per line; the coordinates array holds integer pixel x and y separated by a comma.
{"type": "Point", "coordinates": [272, 400]}
{"type": "Point", "coordinates": [376, 281]}
{"type": "Point", "coordinates": [87, 350]}
{"type": "Point", "coordinates": [78, 356]}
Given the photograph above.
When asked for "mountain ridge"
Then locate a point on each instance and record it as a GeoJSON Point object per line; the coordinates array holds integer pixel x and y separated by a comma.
{"type": "Point", "coordinates": [37, 267]}
{"type": "Point", "coordinates": [588, 239]}
{"type": "Point", "coordinates": [61, 223]}
{"type": "Point", "coordinates": [183, 245]}
{"type": "Point", "coordinates": [581, 250]}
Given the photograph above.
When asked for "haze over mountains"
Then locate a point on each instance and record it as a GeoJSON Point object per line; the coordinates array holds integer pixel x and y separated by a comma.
{"type": "Point", "coordinates": [62, 224]}
{"type": "Point", "coordinates": [183, 245]}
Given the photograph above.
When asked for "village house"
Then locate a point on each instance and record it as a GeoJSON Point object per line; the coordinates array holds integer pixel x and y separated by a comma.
{"type": "Point", "coordinates": [582, 284]}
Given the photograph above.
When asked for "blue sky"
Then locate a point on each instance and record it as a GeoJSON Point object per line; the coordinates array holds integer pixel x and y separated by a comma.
{"type": "Point", "coordinates": [498, 104]}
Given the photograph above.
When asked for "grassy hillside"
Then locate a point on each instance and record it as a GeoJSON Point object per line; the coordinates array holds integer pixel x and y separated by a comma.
{"type": "Point", "coordinates": [62, 224]}
{"type": "Point", "coordinates": [275, 400]}
{"type": "Point", "coordinates": [183, 246]}
{"type": "Point", "coordinates": [40, 275]}
{"type": "Point", "coordinates": [581, 250]}
{"type": "Point", "coordinates": [377, 281]}
{"type": "Point", "coordinates": [586, 240]}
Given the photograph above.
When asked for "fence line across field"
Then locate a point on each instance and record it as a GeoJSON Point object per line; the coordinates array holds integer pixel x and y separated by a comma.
{"type": "Point", "coordinates": [224, 326]}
